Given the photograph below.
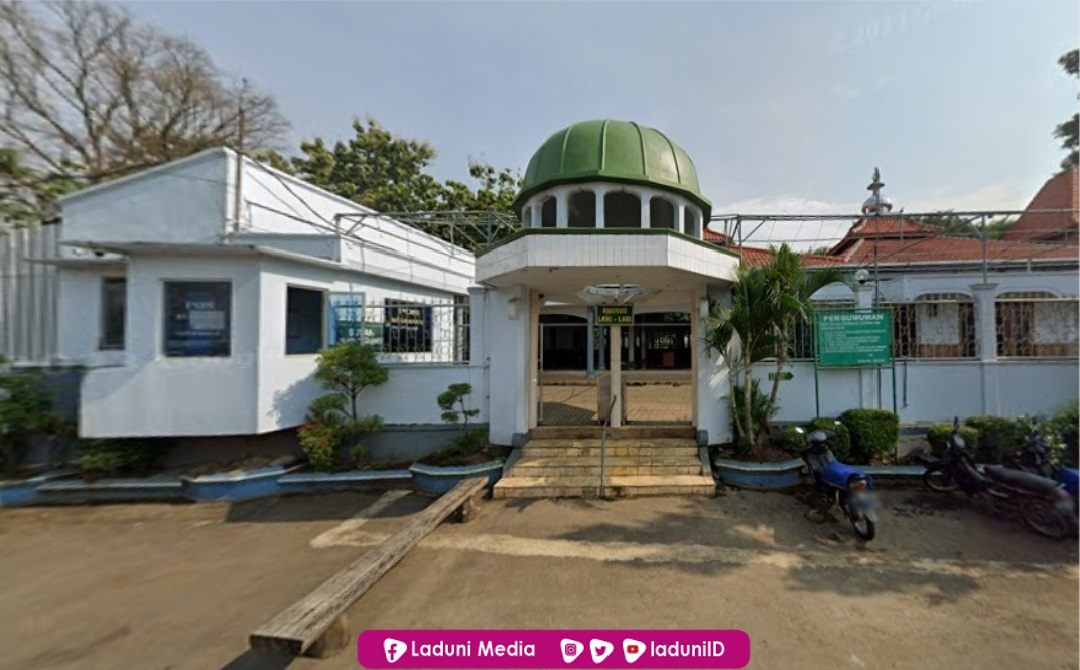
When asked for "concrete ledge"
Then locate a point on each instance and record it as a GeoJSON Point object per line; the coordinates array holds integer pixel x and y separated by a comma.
{"type": "Point", "coordinates": [760, 476]}
{"type": "Point", "coordinates": [79, 491]}
{"type": "Point", "coordinates": [440, 479]}
{"type": "Point", "coordinates": [25, 491]}
{"type": "Point", "coordinates": [229, 487]}
{"type": "Point", "coordinates": [316, 482]}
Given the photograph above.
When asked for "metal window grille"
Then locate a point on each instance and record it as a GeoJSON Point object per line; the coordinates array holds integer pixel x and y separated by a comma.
{"type": "Point", "coordinates": [935, 325]}
{"type": "Point", "coordinates": [801, 347]}
{"type": "Point", "coordinates": [1036, 324]}
{"type": "Point", "coordinates": [411, 331]}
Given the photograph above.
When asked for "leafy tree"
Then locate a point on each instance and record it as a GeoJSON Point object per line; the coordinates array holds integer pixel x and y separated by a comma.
{"type": "Point", "coordinates": [766, 304]}
{"type": "Point", "coordinates": [89, 94]}
{"type": "Point", "coordinates": [389, 173]}
{"type": "Point", "coordinates": [953, 225]}
{"type": "Point", "coordinates": [1069, 132]}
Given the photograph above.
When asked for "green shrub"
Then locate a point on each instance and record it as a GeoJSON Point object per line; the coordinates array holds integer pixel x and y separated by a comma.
{"type": "Point", "coordinates": [938, 437]}
{"type": "Point", "coordinates": [790, 439]}
{"type": "Point", "coordinates": [24, 409]}
{"type": "Point", "coordinates": [841, 444]}
{"type": "Point", "coordinates": [759, 410]}
{"type": "Point", "coordinates": [120, 457]}
{"type": "Point", "coordinates": [874, 433]}
{"type": "Point", "coordinates": [1066, 423]}
{"type": "Point", "coordinates": [997, 436]}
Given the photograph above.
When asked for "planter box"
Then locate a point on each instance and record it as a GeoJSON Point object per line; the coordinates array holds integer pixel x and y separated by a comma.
{"type": "Point", "coordinates": [760, 476]}
{"type": "Point", "coordinates": [439, 479]}
{"type": "Point", "coordinates": [226, 487]}
{"type": "Point", "coordinates": [78, 491]}
{"type": "Point", "coordinates": [315, 482]}
{"type": "Point", "coordinates": [25, 491]}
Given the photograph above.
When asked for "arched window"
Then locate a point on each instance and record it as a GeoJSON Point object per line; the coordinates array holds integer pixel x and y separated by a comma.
{"type": "Point", "coordinates": [547, 213]}
{"type": "Point", "coordinates": [622, 210]}
{"type": "Point", "coordinates": [526, 217]}
{"type": "Point", "coordinates": [582, 210]}
{"type": "Point", "coordinates": [661, 213]}
{"type": "Point", "coordinates": [690, 219]}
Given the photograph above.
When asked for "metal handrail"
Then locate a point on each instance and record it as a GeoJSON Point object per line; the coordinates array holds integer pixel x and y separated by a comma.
{"type": "Point", "coordinates": [603, 440]}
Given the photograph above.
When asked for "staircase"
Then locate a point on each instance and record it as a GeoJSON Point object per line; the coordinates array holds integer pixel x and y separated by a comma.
{"type": "Point", "coordinates": [564, 462]}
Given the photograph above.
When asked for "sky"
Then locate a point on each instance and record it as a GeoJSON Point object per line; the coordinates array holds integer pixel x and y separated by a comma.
{"type": "Point", "coordinates": [784, 107]}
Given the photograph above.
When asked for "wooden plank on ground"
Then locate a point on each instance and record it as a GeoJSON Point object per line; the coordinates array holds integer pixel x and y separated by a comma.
{"type": "Point", "coordinates": [295, 630]}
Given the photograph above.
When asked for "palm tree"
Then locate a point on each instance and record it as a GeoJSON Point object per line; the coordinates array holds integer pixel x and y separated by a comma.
{"type": "Point", "coordinates": [766, 304]}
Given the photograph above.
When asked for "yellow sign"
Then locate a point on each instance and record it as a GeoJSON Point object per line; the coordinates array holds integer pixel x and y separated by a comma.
{"type": "Point", "coordinates": [614, 315]}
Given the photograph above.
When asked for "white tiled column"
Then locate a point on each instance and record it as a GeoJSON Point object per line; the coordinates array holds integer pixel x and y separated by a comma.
{"type": "Point", "coordinates": [986, 331]}
{"type": "Point", "coordinates": [646, 208]}
{"type": "Point", "coordinates": [600, 192]}
{"type": "Point", "coordinates": [562, 208]}
{"type": "Point", "coordinates": [537, 214]}
{"type": "Point", "coordinates": [680, 212]}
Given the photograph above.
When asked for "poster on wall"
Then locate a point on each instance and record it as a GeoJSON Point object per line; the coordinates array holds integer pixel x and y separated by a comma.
{"type": "Point", "coordinates": [347, 321]}
{"type": "Point", "coordinates": [407, 327]}
{"type": "Point", "coordinates": [197, 318]}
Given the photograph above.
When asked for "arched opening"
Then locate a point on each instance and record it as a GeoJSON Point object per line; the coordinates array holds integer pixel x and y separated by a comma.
{"type": "Point", "coordinates": [661, 213]}
{"type": "Point", "coordinates": [547, 213]}
{"type": "Point", "coordinates": [690, 226]}
{"type": "Point", "coordinates": [582, 210]}
{"type": "Point", "coordinates": [622, 210]}
{"type": "Point", "coordinates": [526, 217]}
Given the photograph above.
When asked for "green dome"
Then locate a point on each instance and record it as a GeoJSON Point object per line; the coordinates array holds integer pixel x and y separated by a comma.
{"type": "Point", "coordinates": [618, 151]}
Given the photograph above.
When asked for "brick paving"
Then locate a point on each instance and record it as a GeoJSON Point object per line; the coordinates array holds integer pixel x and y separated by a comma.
{"type": "Point", "coordinates": [661, 401]}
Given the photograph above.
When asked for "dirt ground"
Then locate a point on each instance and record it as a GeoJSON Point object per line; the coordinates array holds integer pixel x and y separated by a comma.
{"type": "Point", "coordinates": [180, 587]}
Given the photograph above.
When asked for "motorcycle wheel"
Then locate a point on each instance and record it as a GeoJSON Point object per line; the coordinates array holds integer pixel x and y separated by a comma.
{"type": "Point", "coordinates": [940, 480]}
{"type": "Point", "coordinates": [1045, 520]}
{"type": "Point", "coordinates": [862, 525]}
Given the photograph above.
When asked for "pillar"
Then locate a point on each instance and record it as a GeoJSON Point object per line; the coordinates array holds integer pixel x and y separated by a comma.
{"type": "Point", "coordinates": [680, 214]}
{"type": "Point", "coordinates": [646, 208]}
{"type": "Point", "coordinates": [864, 299]}
{"type": "Point", "coordinates": [590, 345]}
{"type": "Point", "coordinates": [533, 395]}
{"type": "Point", "coordinates": [562, 208]}
{"type": "Point", "coordinates": [537, 214]}
{"type": "Point", "coordinates": [600, 193]}
{"type": "Point", "coordinates": [616, 376]}
{"type": "Point", "coordinates": [986, 332]}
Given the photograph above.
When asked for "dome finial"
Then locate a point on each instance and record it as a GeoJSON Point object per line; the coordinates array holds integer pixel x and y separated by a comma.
{"type": "Point", "coordinates": [876, 203]}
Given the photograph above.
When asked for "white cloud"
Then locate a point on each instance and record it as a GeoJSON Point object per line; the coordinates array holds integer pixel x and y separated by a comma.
{"type": "Point", "coordinates": [1009, 195]}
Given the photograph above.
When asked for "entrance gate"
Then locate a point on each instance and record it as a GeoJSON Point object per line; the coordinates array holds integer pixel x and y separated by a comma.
{"type": "Point", "coordinates": [655, 358]}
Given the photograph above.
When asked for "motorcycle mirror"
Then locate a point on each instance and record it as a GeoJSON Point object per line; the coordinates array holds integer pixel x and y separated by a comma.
{"type": "Point", "coordinates": [837, 423]}
{"type": "Point", "coordinates": [799, 430]}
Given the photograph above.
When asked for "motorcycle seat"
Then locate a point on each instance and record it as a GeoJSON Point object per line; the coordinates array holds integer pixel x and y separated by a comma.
{"type": "Point", "coordinates": [1020, 479]}
{"type": "Point", "coordinates": [838, 474]}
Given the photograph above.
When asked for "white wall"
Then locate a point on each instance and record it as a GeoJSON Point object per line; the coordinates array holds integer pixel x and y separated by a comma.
{"type": "Point", "coordinates": [79, 317]}
{"type": "Point", "coordinates": [154, 395]}
{"type": "Point", "coordinates": [286, 387]}
{"type": "Point", "coordinates": [184, 201]}
{"type": "Point", "coordinates": [935, 390]}
{"type": "Point", "coordinates": [506, 315]}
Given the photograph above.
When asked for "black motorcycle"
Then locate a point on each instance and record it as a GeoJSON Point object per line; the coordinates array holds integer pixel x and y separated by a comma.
{"type": "Point", "coordinates": [1035, 457]}
{"type": "Point", "coordinates": [1043, 504]}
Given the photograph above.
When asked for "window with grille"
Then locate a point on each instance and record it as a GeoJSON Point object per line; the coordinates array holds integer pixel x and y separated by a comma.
{"type": "Point", "coordinates": [1035, 324]}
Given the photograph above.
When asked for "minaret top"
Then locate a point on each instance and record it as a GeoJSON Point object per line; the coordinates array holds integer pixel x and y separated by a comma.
{"type": "Point", "coordinates": [876, 203]}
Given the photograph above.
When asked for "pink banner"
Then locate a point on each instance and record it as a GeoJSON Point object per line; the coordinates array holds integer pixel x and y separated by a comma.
{"type": "Point", "coordinates": [511, 649]}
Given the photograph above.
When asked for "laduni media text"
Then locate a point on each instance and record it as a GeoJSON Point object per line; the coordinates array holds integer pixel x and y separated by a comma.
{"type": "Point", "coordinates": [703, 649]}
{"type": "Point", "coordinates": [484, 648]}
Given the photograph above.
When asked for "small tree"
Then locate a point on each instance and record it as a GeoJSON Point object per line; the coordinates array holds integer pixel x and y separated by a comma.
{"type": "Point", "coordinates": [334, 419]}
{"type": "Point", "coordinates": [24, 409]}
{"type": "Point", "coordinates": [452, 403]}
{"type": "Point", "coordinates": [766, 304]}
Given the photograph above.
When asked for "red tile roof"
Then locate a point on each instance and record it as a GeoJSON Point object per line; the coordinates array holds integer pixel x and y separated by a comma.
{"type": "Point", "coordinates": [890, 225]}
{"type": "Point", "coordinates": [946, 249]}
{"type": "Point", "coordinates": [1059, 192]}
{"type": "Point", "coordinates": [760, 257]}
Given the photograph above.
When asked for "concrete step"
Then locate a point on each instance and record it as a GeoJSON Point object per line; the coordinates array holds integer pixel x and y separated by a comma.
{"type": "Point", "coordinates": [616, 486]}
{"type": "Point", "coordinates": [593, 471]}
{"type": "Point", "coordinates": [623, 432]}
{"type": "Point", "coordinates": [592, 448]}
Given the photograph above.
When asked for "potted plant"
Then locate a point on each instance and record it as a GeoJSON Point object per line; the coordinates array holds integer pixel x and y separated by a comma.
{"type": "Point", "coordinates": [759, 325]}
{"type": "Point", "coordinates": [471, 455]}
{"type": "Point", "coordinates": [335, 425]}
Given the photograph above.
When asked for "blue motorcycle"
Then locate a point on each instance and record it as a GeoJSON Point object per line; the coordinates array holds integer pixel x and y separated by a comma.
{"type": "Point", "coordinates": [848, 488]}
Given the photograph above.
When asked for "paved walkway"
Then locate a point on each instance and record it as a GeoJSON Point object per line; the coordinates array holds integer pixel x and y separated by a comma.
{"type": "Point", "coordinates": [574, 403]}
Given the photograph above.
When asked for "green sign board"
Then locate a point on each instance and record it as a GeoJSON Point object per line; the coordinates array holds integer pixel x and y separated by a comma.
{"type": "Point", "coordinates": [614, 315]}
{"type": "Point", "coordinates": [861, 338]}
